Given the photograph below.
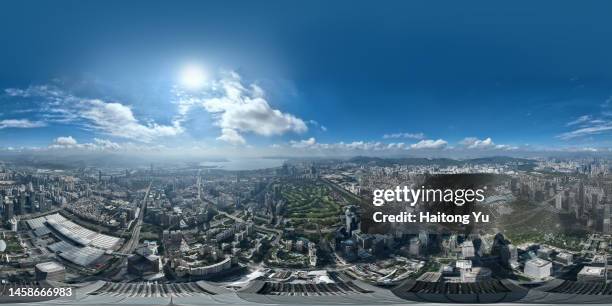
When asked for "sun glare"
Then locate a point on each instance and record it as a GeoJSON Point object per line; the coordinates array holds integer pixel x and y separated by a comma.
{"type": "Point", "coordinates": [193, 77]}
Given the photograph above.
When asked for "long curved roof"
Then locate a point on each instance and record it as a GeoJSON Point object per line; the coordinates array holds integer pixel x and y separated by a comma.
{"type": "Point", "coordinates": [357, 293]}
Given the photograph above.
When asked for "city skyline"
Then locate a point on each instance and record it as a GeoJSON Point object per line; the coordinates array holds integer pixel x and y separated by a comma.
{"type": "Point", "coordinates": [203, 79]}
{"type": "Point", "coordinates": [314, 152]}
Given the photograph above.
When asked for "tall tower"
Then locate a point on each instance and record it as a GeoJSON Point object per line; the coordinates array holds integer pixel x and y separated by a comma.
{"type": "Point", "coordinates": [22, 203]}
{"type": "Point", "coordinates": [8, 210]}
{"type": "Point", "coordinates": [351, 219]}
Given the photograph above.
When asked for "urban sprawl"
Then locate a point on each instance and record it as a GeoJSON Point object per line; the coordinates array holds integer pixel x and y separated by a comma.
{"type": "Point", "coordinates": [189, 231]}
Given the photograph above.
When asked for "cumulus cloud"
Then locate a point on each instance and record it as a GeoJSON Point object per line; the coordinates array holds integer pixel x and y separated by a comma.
{"type": "Point", "coordinates": [307, 143]}
{"type": "Point", "coordinates": [475, 143]}
{"type": "Point", "coordinates": [20, 124]}
{"type": "Point", "coordinates": [366, 146]}
{"type": "Point", "coordinates": [231, 136]}
{"type": "Point", "coordinates": [106, 144]}
{"type": "Point", "coordinates": [396, 146]}
{"type": "Point", "coordinates": [342, 146]}
{"type": "Point", "coordinates": [238, 108]}
{"type": "Point", "coordinates": [429, 144]}
{"type": "Point", "coordinates": [68, 142]}
{"type": "Point", "coordinates": [506, 147]}
{"type": "Point", "coordinates": [65, 141]}
{"type": "Point", "coordinates": [392, 147]}
{"type": "Point", "coordinates": [118, 120]}
{"type": "Point", "coordinates": [404, 135]}
{"type": "Point", "coordinates": [484, 144]}
{"type": "Point", "coordinates": [112, 118]}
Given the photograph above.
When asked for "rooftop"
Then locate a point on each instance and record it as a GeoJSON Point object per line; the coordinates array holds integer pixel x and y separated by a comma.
{"type": "Point", "coordinates": [50, 266]}
{"type": "Point", "coordinates": [594, 271]}
{"type": "Point", "coordinates": [538, 262]}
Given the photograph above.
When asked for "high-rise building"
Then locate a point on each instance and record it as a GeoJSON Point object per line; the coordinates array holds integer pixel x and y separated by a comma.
{"type": "Point", "coordinates": [467, 249]}
{"type": "Point", "coordinates": [351, 219]}
{"type": "Point", "coordinates": [607, 216]}
{"type": "Point", "coordinates": [42, 204]}
{"type": "Point", "coordinates": [50, 271]}
{"type": "Point", "coordinates": [21, 205]}
{"type": "Point", "coordinates": [14, 222]}
{"type": "Point", "coordinates": [8, 210]}
{"type": "Point", "coordinates": [559, 201]}
{"type": "Point", "coordinates": [538, 268]}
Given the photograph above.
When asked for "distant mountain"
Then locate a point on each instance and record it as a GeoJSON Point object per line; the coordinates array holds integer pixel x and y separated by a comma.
{"type": "Point", "coordinates": [500, 160]}
{"type": "Point", "coordinates": [413, 161]}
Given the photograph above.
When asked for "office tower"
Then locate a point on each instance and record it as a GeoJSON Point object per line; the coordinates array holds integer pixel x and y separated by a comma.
{"type": "Point", "coordinates": [559, 201]}
{"type": "Point", "coordinates": [351, 219]}
{"type": "Point", "coordinates": [21, 205]}
{"type": "Point", "coordinates": [607, 228]}
{"type": "Point", "coordinates": [538, 268]}
{"type": "Point", "coordinates": [467, 249]}
{"type": "Point", "coordinates": [8, 210]}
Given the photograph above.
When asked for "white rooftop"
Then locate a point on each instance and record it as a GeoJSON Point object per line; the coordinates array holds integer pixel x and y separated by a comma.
{"type": "Point", "coordinates": [593, 271]}
{"type": "Point", "coordinates": [538, 262]}
{"type": "Point", "coordinates": [50, 266]}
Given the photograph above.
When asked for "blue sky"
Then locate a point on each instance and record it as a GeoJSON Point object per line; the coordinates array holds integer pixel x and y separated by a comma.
{"type": "Point", "coordinates": [288, 77]}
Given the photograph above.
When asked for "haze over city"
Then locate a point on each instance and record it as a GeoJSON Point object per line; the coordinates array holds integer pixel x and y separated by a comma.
{"type": "Point", "coordinates": [305, 153]}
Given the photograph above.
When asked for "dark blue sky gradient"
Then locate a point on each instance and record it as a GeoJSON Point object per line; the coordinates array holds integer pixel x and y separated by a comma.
{"type": "Point", "coordinates": [516, 71]}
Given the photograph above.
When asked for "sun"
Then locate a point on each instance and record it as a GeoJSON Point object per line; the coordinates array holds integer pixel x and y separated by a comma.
{"type": "Point", "coordinates": [193, 77]}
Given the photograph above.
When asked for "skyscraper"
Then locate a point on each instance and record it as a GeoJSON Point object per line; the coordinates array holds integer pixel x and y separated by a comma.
{"type": "Point", "coordinates": [21, 205]}
{"type": "Point", "coordinates": [8, 210]}
{"type": "Point", "coordinates": [607, 219]}
{"type": "Point", "coordinates": [351, 219]}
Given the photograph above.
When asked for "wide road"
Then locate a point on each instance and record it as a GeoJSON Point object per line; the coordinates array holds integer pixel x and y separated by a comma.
{"type": "Point", "coordinates": [129, 246]}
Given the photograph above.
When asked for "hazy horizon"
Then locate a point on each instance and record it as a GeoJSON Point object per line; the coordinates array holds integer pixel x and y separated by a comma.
{"type": "Point", "coordinates": [202, 79]}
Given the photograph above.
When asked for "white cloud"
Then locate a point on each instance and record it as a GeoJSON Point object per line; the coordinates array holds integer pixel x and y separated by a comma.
{"type": "Point", "coordinates": [118, 120]}
{"type": "Point", "coordinates": [394, 147]}
{"type": "Point", "coordinates": [398, 145]}
{"type": "Point", "coordinates": [311, 144]}
{"type": "Point", "coordinates": [430, 144]}
{"type": "Point", "coordinates": [475, 143]}
{"type": "Point", "coordinates": [484, 144]}
{"type": "Point", "coordinates": [404, 135]}
{"type": "Point", "coordinates": [20, 124]}
{"type": "Point", "coordinates": [307, 143]}
{"type": "Point", "coordinates": [112, 118]}
{"type": "Point", "coordinates": [587, 131]}
{"type": "Point", "coordinates": [239, 109]}
{"type": "Point", "coordinates": [106, 144]}
{"type": "Point", "coordinates": [68, 142]}
{"type": "Point", "coordinates": [231, 136]}
{"type": "Point", "coordinates": [588, 125]}
{"type": "Point", "coordinates": [579, 120]}
{"type": "Point", "coordinates": [506, 147]}
{"type": "Point", "coordinates": [65, 141]}
{"type": "Point", "coordinates": [317, 124]}
{"type": "Point", "coordinates": [365, 146]}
